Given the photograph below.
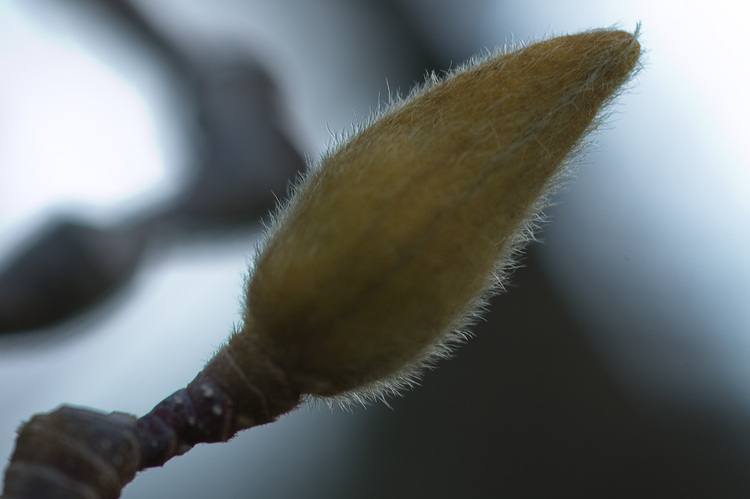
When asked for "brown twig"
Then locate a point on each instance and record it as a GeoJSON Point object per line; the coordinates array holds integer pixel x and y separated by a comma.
{"type": "Point", "coordinates": [79, 453]}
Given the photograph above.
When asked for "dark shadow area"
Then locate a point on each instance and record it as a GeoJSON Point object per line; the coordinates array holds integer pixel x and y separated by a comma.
{"type": "Point", "coordinates": [525, 409]}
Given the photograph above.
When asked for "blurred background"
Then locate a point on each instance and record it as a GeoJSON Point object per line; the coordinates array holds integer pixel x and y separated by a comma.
{"type": "Point", "coordinates": [142, 142]}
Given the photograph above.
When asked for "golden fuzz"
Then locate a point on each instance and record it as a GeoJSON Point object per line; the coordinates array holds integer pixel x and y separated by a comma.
{"type": "Point", "coordinates": [393, 241]}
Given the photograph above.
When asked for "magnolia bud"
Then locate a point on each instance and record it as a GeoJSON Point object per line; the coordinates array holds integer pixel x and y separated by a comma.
{"type": "Point", "coordinates": [394, 240]}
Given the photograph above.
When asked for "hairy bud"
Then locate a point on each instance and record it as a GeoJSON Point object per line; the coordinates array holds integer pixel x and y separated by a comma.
{"type": "Point", "coordinates": [394, 239]}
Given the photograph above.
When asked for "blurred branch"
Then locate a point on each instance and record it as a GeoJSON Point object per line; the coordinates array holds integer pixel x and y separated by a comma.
{"type": "Point", "coordinates": [246, 157]}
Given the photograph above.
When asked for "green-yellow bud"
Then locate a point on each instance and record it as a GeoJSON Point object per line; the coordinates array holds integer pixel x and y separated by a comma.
{"type": "Point", "coordinates": [394, 240]}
